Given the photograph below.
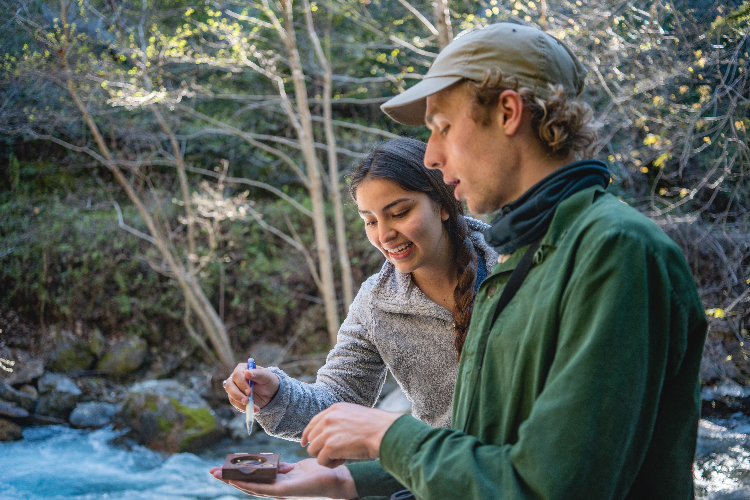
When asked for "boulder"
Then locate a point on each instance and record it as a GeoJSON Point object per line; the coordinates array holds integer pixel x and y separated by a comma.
{"type": "Point", "coordinates": [97, 342]}
{"type": "Point", "coordinates": [92, 415]}
{"type": "Point", "coordinates": [57, 395]}
{"type": "Point", "coordinates": [11, 410]}
{"type": "Point", "coordinates": [9, 431]}
{"type": "Point", "coordinates": [123, 356]}
{"type": "Point", "coordinates": [166, 416]}
{"type": "Point", "coordinates": [25, 370]}
{"type": "Point", "coordinates": [724, 388]}
{"type": "Point", "coordinates": [21, 398]}
{"type": "Point", "coordinates": [70, 356]}
{"type": "Point", "coordinates": [30, 390]}
{"type": "Point", "coordinates": [267, 353]}
{"type": "Point", "coordinates": [237, 427]}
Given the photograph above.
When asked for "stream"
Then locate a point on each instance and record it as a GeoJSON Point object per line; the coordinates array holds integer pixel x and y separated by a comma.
{"type": "Point", "coordinates": [60, 463]}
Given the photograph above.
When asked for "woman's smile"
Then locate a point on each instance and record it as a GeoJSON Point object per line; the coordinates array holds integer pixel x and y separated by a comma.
{"type": "Point", "coordinates": [401, 251]}
{"type": "Point", "coordinates": [406, 226]}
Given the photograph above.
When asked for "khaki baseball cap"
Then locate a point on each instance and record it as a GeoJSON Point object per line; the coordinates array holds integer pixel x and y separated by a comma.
{"type": "Point", "coordinates": [534, 58]}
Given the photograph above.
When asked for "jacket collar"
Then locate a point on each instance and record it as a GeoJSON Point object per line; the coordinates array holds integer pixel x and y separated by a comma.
{"type": "Point", "coordinates": [566, 213]}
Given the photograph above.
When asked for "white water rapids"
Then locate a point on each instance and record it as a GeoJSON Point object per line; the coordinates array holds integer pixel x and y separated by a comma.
{"type": "Point", "coordinates": [60, 463]}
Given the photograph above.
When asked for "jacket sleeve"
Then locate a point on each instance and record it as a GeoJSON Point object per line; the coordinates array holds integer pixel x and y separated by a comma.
{"type": "Point", "coordinates": [588, 430]}
{"type": "Point", "coordinates": [354, 372]}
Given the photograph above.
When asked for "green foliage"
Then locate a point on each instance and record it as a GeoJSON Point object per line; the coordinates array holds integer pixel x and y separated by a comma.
{"type": "Point", "coordinates": [667, 79]}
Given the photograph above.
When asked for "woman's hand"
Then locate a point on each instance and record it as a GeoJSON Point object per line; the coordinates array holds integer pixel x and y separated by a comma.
{"type": "Point", "coordinates": [266, 386]}
{"type": "Point", "coordinates": [303, 479]}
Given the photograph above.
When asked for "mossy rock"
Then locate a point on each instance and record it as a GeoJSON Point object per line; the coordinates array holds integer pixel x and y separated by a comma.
{"type": "Point", "coordinates": [166, 416]}
{"type": "Point", "coordinates": [124, 356]}
{"type": "Point", "coordinates": [97, 342]}
{"type": "Point", "coordinates": [71, 356]}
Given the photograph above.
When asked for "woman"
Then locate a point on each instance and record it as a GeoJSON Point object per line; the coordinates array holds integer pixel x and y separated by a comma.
{"type": "Point", "coordinates": [411, 317]}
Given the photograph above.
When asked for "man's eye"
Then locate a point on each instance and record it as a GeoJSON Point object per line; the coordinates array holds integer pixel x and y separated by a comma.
{"type": "Point", "coordinates": [370, 223]}
{"type": "Point", "coordinates": [444, 130]}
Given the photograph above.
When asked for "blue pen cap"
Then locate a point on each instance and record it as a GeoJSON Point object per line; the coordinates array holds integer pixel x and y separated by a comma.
{"type": "Point", "coordinates": [250, 366]}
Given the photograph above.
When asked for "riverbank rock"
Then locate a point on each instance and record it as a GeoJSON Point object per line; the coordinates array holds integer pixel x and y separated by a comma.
{"type": "Point", "coordinates": [166, 416]}
{"type": "Point", "coordinates": [97, 342]}
{"type": "Point", "coordinates": [237, 428]}
{"type": "Point", "coordinates": [71, 356]}
{"type": "Point", "coordinates": [25, 370]}
{"type": "Point", "coordinates": [58, 395]}
{"type": "Point", "coordinates": [21, 398]}
{"type": "Point", "coordinates": [11, 410]}
{"type": "Point", "coordinates": [267, 353]}
{"type": "Point", "coordinates": [9, 431]}
{"type": "Point", "coordinates": [92, 415]}
{"type": "Point", "coordinates": [124, 356]}
{"type": "Point", "coordinates": [725, 399]}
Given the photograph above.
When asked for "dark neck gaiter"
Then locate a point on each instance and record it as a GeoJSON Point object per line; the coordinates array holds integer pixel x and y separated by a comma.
{"type": "Point", "coordinates": [527, 218]}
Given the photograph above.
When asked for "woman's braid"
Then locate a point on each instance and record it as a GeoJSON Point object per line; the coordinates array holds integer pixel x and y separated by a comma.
{"type": "Point", "coordinates": [466, 269]}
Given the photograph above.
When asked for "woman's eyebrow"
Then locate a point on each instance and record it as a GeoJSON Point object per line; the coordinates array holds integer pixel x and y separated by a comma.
{"type": "Point", "coordinates": [390, 205]}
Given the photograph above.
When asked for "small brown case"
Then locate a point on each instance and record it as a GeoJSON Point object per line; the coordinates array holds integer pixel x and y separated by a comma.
{"type": "Point", "coordinates": [251, 467]}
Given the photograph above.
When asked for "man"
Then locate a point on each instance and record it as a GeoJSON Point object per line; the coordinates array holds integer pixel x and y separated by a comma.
{"type": "Point", "coordinates": [585, 384]}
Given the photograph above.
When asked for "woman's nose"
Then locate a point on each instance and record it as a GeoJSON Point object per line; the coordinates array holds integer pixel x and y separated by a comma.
{"type": "Point", "coordinates": [386, 233]}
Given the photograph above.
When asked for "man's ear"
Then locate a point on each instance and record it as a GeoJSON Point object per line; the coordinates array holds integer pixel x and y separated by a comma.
{"type": "Point", "coordinates": [509, 111]}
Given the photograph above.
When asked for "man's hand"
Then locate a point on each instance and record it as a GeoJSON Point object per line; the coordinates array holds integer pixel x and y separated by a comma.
{"type": "Point", "coordinates": [303, 479]}
{"type": "Point", "coordinates": [266, 386]}
{"type": "Point", "coordinates": [346, 430]}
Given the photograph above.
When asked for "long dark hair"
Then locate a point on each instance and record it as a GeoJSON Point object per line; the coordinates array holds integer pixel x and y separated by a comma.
{"type": "Point", "coordinates": [402, 161]}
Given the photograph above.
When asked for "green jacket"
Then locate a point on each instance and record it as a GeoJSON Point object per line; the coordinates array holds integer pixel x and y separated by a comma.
{"type": "Point", "coordinates": [588, 388]}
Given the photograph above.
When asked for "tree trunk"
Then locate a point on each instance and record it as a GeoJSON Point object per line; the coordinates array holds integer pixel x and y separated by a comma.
{"type": "Point", "coordinates": [305, 135]}
{"type": "Point", "coordinates": [191, 288]}
{"type": "Point", "coordinates": [347, 281]}
{"type": "Point", "coordinates": [443, 23]}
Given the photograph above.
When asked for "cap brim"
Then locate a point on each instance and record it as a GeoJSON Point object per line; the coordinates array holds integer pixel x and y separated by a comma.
{"type": "Point", "coordinates": [409, 107]}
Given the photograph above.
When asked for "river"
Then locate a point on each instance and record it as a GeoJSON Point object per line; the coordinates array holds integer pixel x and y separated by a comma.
{"type": "Point", "coordinates": [60, 463]}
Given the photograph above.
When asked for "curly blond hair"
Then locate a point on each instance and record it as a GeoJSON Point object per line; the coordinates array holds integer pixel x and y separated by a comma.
{"type": "Point", "coordinates": [565, 126]}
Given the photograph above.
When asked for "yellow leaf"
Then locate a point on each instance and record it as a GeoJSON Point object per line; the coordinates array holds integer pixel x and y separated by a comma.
{"type": "Point", "coordinates": [659, 162]}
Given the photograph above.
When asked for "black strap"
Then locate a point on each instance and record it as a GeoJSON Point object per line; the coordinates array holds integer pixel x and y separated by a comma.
{"type": "Point", "coordinates": [514, 283]}
{"type": "Point", "coordinates": [516, 279]}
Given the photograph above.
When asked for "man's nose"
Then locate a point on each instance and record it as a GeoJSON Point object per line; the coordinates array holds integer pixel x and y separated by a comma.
{"type": "Point", "coordinates": [432, 156]}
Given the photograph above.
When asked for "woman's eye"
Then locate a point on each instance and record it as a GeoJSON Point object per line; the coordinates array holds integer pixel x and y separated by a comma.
{"type": "Point", "coordinates": [444, 130]}
{"type": "Point", "coordinates": [401, 214]}
{"type": "Point", "coordinates": [370, 223]}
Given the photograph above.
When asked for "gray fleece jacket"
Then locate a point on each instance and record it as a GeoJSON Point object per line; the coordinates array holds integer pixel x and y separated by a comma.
{"type": "Point", "coordinates": [391, 325]}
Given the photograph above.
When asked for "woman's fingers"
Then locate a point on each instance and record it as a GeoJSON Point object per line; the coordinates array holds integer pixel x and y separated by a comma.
{"type": "Point", "coordinates": [238, 389]}
{"type": "Point", "coordinates": [266, 385]}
